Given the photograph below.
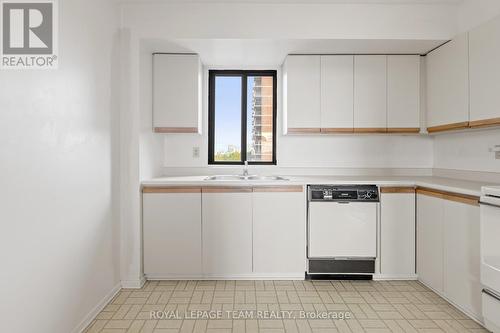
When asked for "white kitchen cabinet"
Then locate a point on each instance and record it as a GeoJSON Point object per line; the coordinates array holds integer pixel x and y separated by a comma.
{"type": "Point", "coordinates": [484, 53]}
{"type": "Point", "coordinates": [448, 246]}
{"type": "Point", "coordinates": [279, 215]}
{"type": "Point", "coordinates": [172, 233]}
{"type": "Point", "coordinates": [430, 240]}
{"type": "Point", "coordinates": [301, 92]}
{"type": "Point", "coordinates": [227, 232]}
{"type": "Point", "coordinates": [403, 93]}
{"type": "Point", "coordinates": [177, 93]}
{"type": "Point", "coordinates": [370, 93]}
{"type": "Point", "coordinates": [462, 283]}
{"type": "Point", "coordinates": [397, 232]}
{"type": "Point", "coordinates": [337, 78]}
{"type": "Point", "coordinates": [448, 86]}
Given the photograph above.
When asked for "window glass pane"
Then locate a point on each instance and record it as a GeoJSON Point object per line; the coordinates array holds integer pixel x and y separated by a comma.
{"type": "Point", "coordinates": [227, 118]}
{"type": "Point", "coordinates": [260, 118]}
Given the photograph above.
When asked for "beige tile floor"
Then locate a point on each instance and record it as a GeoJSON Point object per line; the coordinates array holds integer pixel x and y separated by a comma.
{"type": "Point", "coordinates": [388, 306]}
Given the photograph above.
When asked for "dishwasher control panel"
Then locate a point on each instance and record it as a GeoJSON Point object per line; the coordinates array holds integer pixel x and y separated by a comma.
{"type": "Point", "coordinates": [343, 193]}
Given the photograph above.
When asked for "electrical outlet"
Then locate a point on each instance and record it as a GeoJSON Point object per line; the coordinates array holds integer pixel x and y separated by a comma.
{"type": "Point", "coordinates": [496, 150]}
{"type": "Point", "coordinates": [196, 152]}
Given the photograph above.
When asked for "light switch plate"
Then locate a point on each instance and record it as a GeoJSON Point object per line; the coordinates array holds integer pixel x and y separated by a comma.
{"type": "Point", "coordinates": [496, 149]}
{"type": "Point", "coordinates": [196, 152]}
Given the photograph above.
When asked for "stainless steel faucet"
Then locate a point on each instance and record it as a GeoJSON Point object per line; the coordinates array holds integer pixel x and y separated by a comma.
{"type": "Point", "coordinates": [245, 169]}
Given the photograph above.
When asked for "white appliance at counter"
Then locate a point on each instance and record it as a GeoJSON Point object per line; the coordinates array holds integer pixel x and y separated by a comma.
{"type": "Point", "coordinates": [490, 257]}
{"type": "Point", "coordinates": [342, 229]}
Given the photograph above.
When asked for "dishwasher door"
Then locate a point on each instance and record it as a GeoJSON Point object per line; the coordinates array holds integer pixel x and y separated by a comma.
{"type": "Point", "coordinates": [342, 230]}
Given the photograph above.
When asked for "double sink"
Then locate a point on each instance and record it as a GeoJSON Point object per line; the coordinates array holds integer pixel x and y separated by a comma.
{"type": "Point", "coordinates": [243, 178]}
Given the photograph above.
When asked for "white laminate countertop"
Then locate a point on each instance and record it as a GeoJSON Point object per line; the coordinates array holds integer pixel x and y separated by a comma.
{"type": "Point", "coordinates": [438, 183]}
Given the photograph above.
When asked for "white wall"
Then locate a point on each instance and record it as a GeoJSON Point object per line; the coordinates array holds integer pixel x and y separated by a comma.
{"type": "Point", "coordinates": [151, 144]}
{"type": "Point", "coordinates": [467, 151]}
{"type": "Point", "coordinates": [58, 165]}
{"type": "Point", "coordinates": [472, 13]}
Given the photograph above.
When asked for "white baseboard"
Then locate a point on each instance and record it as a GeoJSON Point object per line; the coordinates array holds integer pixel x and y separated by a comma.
{"type": "Point", "coordinates": [478, 320]}
{"type": "Point", "coordinates": [270, 276]}
{"type": "Point", "coordinates": [134, 284]}
{"type": "Point", "coordinates": [98, 308]}
{"type": "Point", "coordinates": [384, 277]}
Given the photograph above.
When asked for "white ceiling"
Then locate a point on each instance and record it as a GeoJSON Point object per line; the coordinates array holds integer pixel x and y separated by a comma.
{"type": "Point", "coordinates": [266, 52]}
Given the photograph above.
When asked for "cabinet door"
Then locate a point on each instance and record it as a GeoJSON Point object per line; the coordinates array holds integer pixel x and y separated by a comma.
{"type": "Point", "coordinates": [397, 239]}
{"type": "Point", "coordinates": [301, 75]}
{"type": "Point", "coordinates": [448, 85]}
{"type": "Point", "coordinates": [484, 52]}
{"type": "Point", "coordinates": [176, 93]}
{"type": "Point", "coordinates": [462, 283]}
{"type": "Point", "coordinates": [403, 93]}
{"type": "Point", "coordinates": [370, 93]}
{"type": "Point", "coordinates": [279, 224]}
{"type": "Point", "coordinates": [430, 213]}
{"type": "Point", "coordinates": [337, 108]}
{"type": "Point", "coordinates": [172, 233]}
{"type": "Point", "coordinates": [227, 232]}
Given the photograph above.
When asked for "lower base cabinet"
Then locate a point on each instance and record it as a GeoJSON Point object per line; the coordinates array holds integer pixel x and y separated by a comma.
{"type": "Point", "coordinates": [227, 232]}
{"type": "Point", "coordinates": [224, 232]}
{"type": "Point", "coordinates": [397, 232]}
{"type": "Point", "coordinates": [430, 240]}
{"type": "Point", "coordinates": [279, 231]}
{"type": "Point", "coordinates": [448, 247]}
{"type": "Point", "coordinates": [462, 263]}
{"type": "Point", "coordinates": [172, 233]}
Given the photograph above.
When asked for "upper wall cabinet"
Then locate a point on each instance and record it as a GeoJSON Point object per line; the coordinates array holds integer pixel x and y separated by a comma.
{"type": "Point", "coordinates": [484, 68]}
{"type": "Point", "coordinates": [347, 93]}
{"type": "Point", "coordinates": [301, 86]}
{"type": "Point", "coordinates": [370, 93]}
{"type": "Point", "coordinates": [403, 93]}
{"type": "Point", "coordinates": [337, 79]}
{"type": "Point", "coordinates": [448, 86]}
{"type": "Point", "coordinates": [177, 93]}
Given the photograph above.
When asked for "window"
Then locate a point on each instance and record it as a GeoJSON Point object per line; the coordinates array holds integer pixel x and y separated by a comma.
{"type": "Point", "coordinates": [242, 117]}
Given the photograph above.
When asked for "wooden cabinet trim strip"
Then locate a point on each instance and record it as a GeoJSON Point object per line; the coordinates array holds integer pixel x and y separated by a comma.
{"type": "Point", "coordinates": [457, 197]}
{"type": "Point", "coordinates": [337, 130]}
{"type": "Point", "coordinates": [303, 130]}
{"type": "Point", "coordinates": [290, 188]}
{"type": "Point", "coordinates": [485, 123]}
{"type": "Point", "coordinates": [176, 130]}
{"type": "Point", "coordinates": [403, 130]}
{"type": "Point", "coordinates": [370, 130]}
{"type": "Point", "coordinates": [396, 189]}
{"type": "Point", "coordinates": [171, 189]}
{"type": "Point", "coordinates": [448, 127]}
{"type": "Point", "coordinates": [226, 189]}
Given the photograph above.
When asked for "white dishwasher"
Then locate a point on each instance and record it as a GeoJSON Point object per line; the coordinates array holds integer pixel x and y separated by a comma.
{"type": "Point", "coordinates": [490, 257]}
{"type": "Point", "coordinates": [342, 229]}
